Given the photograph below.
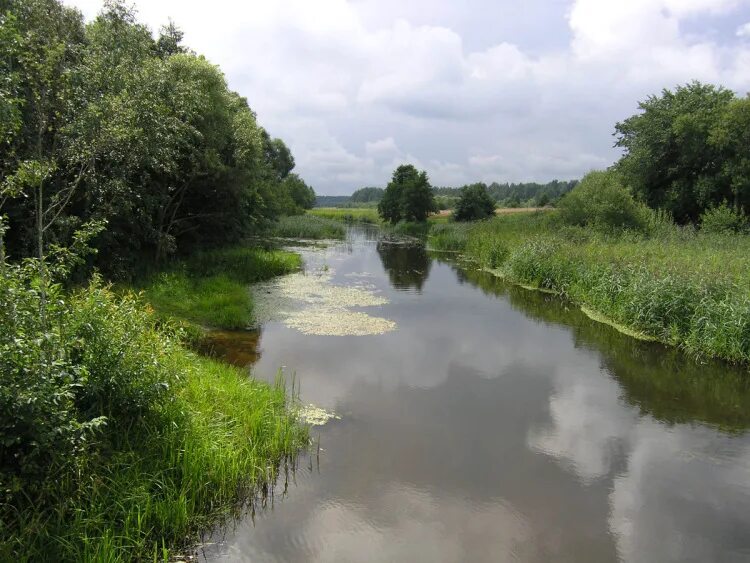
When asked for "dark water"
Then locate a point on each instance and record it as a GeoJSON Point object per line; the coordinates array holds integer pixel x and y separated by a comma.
{"type": "Point", "coordinates": [499, 424]}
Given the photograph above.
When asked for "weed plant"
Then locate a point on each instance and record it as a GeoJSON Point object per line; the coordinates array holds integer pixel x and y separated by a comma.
{"type": "Point", "coordinates": [671, 283]}
{"type": "Point", "coordinates": [116, 443]}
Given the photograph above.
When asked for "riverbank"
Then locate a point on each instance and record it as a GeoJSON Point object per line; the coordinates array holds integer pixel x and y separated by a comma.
{"type": "Point", "coordinates": [674, 284]}
{"type": "Point", "coordinates": [210, 288]}
{"type": "Point", "coordinates": [133, 444]}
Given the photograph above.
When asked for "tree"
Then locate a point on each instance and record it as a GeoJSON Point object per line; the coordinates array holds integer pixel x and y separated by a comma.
{"type": "Point", "coordinates": [670, 161]}
{"type": "Point", "coordinates": [301, 194]}
{"type": "Point", "coordinates": [475, 203]}
{"type": "Point", "coordinates": [366, 195]}
{"type": "Point", "coordinates": [601, 200]}
{"type": "Point", "coordinates": [731, 137]}
{"type": "Point", "coordinates": [408, 196]}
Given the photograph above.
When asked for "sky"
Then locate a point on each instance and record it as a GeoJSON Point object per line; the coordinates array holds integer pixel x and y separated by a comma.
{"type": "Point", "coordinates": [468, 90]}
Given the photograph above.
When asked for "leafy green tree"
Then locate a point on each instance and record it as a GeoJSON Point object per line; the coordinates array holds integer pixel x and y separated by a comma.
{"type": "Point", "coordinates": [731, 136]}
{"type": "Point", "coordinates": [475, 203]}
{"type": "Point", "coordinates": [170, 40]}
{"type": "Point", "coordinates": [102, 122]}
{"type": "Point", "coordinates": [601, 200]}
{"type": "Point", "coordinates": [724, 219]}
{"type": "Point", "coordinates": [670, 161]}
{"type": "Point", "coordinates": [408, 196]}
{"type": "Point", "coordinates": [302, 194]}
{"type": "Point", "coordinates": [366, 195]}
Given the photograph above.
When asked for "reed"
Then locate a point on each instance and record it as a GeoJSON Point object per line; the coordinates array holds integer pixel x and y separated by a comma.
{"type": "Point", "coordinates": [309, 226]}
{"type": "Point", "coordinates": [673, 284]}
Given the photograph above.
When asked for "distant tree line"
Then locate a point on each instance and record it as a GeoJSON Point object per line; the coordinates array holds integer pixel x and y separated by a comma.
{"type": "Point", "coordinates": [526, 194]}
{"type": "Point", "coordinates": [529, 194]}
{"type": "Point", "coordinates": [103, 124]}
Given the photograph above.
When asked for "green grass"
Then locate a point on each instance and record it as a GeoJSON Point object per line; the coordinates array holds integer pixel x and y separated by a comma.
{"type": "Point", "coordinates": [164, 483]}
{"type": "Point", "coordinates": [211, 288]}
{"type": "Point", "coordinates": [308, 226]}
{"type": "Point", "coordinates": [179, 441]}
{"type": "Point", "coordinates": [348, 215]}
{"type": "Point", "coordinates": [673, 284]}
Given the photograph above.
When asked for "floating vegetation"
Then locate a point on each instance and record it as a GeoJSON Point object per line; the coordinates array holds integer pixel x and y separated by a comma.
{"type": "Point", "coordinates": [310, 303]}
{"type": "Point", "coordinates": [315, 416]}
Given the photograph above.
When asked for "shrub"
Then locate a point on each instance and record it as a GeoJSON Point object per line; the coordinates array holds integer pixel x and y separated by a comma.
{"type": "Point", "coordinates": [116, 444]}
{"type": "Point", "coordinates": [70, 371]}
{"type": "Point", "coordinates": [600, 200]}
{"type": "Point", "coordinates": [722, 219]}
{"type": "Point", "coordinates": [475, 203]}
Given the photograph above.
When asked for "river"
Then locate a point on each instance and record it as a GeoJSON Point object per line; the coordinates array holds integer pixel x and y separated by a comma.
{"type": "Point", "coordinates": [487, 422]}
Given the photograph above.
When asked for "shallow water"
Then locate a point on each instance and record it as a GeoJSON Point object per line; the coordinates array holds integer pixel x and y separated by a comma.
{"type": "Point", "coordinates": [495, 424]}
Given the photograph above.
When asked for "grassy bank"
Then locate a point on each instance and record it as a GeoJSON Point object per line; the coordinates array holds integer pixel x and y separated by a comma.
{"type": "Point", "coordinates": [308, 226]}
{"type": "Point", "coordinates": [210, 288]}
{"type": "Point", "coordinates": [348, 215]}
{"type": "Point", "coordinates": [116, 443]}
{"type": "Point", "coordinates": [669, 283]}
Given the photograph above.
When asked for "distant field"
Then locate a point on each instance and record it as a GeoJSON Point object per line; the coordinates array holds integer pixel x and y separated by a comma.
{"type": "Point", "coordinates": [500, 211]}
{"type": "Point", "coordinates": [349, 215]}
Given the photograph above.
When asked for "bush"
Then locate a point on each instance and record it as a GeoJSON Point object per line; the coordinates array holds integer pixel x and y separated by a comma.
{"type": "Point", "coordinates": [116, 444]}
{"type": "Point", "coordinates": [72, 373]}
{"type": "Point", "coordinates": [724, 220]}
{"type": "Point", "coordinates": [600, 200]}
{"type": "Point", "coordinates": [475, 203]}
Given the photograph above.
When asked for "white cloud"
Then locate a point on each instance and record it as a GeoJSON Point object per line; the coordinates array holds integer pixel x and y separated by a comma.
{"type": "Point", "coordinates": [744, 30]}
{"type": "Point", "coordinates": [331, 76]}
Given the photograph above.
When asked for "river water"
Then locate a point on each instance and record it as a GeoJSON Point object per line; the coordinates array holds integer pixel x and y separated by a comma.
{"type": "Point", "coordinates": [494, 423]}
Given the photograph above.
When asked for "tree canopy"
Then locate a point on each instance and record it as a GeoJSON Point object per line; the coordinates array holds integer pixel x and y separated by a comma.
{"type": "Point", "coordinates": [366, 195]}
{"type": "Point", "coordinates": [475, 203]}
{"type": "Point", "coordinates": [687, 150]}
{"type": "Point", "coordinates": [408, 196]}
{"type": "Point", "coordinates": [104, 122]}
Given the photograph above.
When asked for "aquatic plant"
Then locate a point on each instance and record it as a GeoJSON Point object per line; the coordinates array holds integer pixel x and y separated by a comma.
{"type": "Point", "coordinates": [672, 283]}
{"type": "Point", "coordinates": [312, 304]}
{"type": "Point", "coordinates": [347, 215]}
{"type": "Point", "coordinates": [308, 227]}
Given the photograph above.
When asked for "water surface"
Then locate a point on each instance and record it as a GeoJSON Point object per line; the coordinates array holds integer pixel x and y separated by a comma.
{"type": "Point", "coordinates": [496, 424]}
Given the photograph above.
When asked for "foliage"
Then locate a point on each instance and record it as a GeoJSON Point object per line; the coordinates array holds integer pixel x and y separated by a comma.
{"type": "Point", "coordinates": [600, 200]}
{"type": "Point", "coordinates": [512, 195]}
{"type": "Point", "coordinates": [115, 443]}
{"type": "Point", "coordinates": [348, 215]}
{"type": "Point", "coordinates": [308, 227]}
{"type": "Point", "coordinates": [408, 196]}
{"type": "Point", "coordinates": [210, 288]}
{"type": "Point", "coordinates": [678, 285]}
{"type": "Point", "coordinates": [684, 151]}
{"type": "Point", "coordinates": [139, 132]}
{"type": "Point", "coordinates": [475, 203]}
{"type": "Point", "coordinates": [723, 219]}
{"type": "Point", "coordinates": [302, 195]}
{"type": "Point", "coordinates": [366, 195]}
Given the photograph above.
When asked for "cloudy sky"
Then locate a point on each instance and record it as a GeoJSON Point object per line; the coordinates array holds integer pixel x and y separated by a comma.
{"type": "Point", "coordinates": [467, 89]}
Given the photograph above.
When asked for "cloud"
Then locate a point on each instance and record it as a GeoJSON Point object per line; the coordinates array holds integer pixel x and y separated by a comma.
{"type": "Point", "coordinates": [744, 30]}
{"type": "Point", "coordinates": [467, 97]}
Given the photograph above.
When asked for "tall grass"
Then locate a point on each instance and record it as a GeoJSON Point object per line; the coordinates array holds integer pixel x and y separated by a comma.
{"type": "Point", "coordinates": [673, 284]}
{"type": "Point", "coordinates": [348, 215]}
{"type": "Point", "coordinates": [308, 227]}
{"type": "Point", "coordinates": [116, 443]}
{"type": "Point", "coordinates": [210, 288]}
